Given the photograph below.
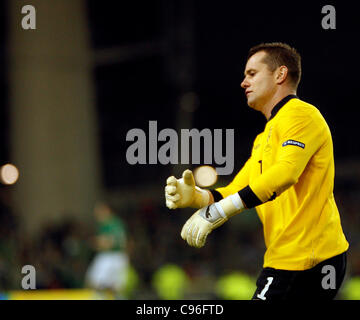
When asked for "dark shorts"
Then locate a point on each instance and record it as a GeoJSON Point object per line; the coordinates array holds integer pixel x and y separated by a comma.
{"type": "Point", "coordinates": [321, 282]}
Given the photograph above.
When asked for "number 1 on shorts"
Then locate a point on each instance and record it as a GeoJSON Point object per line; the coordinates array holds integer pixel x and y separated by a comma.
{"type": "Point", "coordinates": [266, 288]}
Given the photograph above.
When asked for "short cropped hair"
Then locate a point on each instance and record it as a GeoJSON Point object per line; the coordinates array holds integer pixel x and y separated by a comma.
{"type": "Point", "coordinates": [280, 54]}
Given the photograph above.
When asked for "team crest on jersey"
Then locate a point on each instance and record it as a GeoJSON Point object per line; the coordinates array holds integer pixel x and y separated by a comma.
{"type": "Point", "coordinates": [293, 143]}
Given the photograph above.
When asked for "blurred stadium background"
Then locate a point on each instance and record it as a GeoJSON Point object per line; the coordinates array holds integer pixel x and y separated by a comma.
{"type": "Point", "coordinates": [91, 71]}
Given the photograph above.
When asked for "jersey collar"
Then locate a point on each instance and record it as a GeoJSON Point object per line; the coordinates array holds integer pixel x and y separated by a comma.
{"type": "Point", "coordinates": [281, 103]}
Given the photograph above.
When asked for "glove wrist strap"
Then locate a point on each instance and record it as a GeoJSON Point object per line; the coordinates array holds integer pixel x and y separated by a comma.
{"type": "Point", "coordinates": [230, 206]}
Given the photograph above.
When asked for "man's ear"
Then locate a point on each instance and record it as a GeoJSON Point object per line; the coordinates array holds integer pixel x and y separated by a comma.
{"type": "Point", "coordinates": [281, 74]}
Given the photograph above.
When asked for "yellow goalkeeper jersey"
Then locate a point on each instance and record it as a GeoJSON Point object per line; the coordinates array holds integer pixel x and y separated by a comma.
{"type": "Point", "coordinates": [289, 179]}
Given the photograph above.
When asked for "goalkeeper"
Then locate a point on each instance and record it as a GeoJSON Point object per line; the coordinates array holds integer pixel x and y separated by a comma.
{"type": "Point", "coordinates": [288, 178]}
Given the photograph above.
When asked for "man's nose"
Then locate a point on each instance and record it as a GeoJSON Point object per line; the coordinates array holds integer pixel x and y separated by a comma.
{"type": "Point", "coordinates": [244, 84]}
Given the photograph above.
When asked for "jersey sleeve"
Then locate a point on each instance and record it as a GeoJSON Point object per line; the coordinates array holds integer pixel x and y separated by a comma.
{"type": "Point", "coordinates": [299, 137]}
{"type": "Point", "coordinates": [240, 181]}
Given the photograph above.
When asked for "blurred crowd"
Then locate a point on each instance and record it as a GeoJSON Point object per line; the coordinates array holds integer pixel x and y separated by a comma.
{"type": "Point", "coordinates": [61, 253]}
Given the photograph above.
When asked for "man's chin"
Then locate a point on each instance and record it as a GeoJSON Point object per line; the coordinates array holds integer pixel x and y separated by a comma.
{"type": "Point", "coordinates": [252, 104]}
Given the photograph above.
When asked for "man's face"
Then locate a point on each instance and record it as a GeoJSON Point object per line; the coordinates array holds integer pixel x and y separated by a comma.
{"type": "Point", "coordinates": [259, 82]}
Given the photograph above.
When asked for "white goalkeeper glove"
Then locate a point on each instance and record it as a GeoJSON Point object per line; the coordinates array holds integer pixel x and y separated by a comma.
{"type": "Point", "coordinates": [182, 193]}
{"type": "Point", "coordinates": [205, 220]}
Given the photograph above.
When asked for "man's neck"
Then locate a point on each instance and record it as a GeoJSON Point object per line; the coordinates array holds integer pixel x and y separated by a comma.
{"type": "Point", "coordinates": [277, 97]}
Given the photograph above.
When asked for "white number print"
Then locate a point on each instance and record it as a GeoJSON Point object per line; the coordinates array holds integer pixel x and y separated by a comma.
{"type": "Point", "coordinates": [266, 288]}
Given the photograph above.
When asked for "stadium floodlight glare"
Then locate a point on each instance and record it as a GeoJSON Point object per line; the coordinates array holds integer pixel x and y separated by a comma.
{"type": "Point", "coordinates": [205, 176]}
{"type": "Point", "coordinates": [9, 174]}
